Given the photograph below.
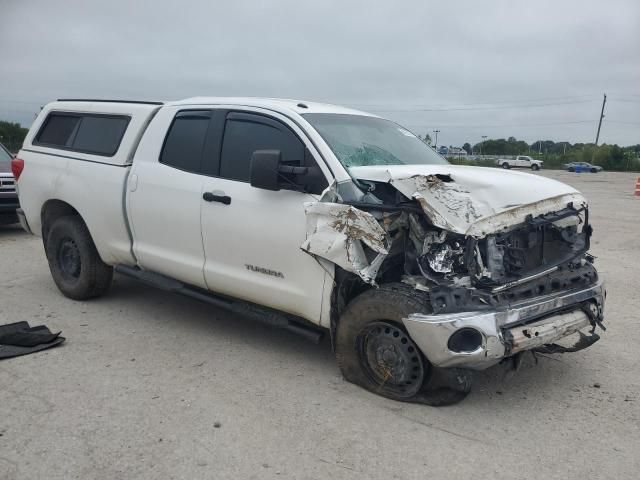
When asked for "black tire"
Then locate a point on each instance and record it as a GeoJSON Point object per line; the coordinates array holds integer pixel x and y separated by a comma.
{"type": "Point", "coordinates": [74, 262]}
{"type": "Point", "coordinates": [571, 169]}
{"type": "Point", "coordinates": [506, 166]}
{"type": "Point", "coordinates": [594, 170]}
{"type": "Point", "coordinates": [535, 167]}
{"type": "Point", "coordinates": [374, 319]}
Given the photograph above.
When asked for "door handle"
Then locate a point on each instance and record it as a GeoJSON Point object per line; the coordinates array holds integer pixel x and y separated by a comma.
{"type": "Point", "coordinates": [212, 197]}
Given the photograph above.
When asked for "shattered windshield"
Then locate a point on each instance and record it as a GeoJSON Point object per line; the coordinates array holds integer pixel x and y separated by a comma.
{"type": "Point", "coordinates": [358, 140]}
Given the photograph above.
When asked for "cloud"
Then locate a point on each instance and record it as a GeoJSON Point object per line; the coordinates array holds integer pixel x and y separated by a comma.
{"type": "Point", "coordinates": [528, 69]}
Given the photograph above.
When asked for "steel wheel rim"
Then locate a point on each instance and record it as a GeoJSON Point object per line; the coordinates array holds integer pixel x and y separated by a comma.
{"type": "Point", "coordinates": [69, 259]}
{"type": "Point", "coordinates": [391, 359]}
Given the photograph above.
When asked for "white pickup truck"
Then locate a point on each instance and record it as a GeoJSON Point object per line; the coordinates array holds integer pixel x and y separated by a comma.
{"type": "Point", "coordinates": [521, 161]}
{"type": "Point", "coordinates": [315, 218]}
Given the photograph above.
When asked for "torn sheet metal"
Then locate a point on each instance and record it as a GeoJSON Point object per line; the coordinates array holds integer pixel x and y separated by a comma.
{"type": "Point", "coordinates": [339, 233]}
{"type": "Point", "coordinates": [474, 201]}
{"type": "Point", "coordinates": [447, 204]}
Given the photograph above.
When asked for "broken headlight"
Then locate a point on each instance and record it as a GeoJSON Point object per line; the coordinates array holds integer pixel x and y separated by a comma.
{"type": "Point", "coordinates": [442, 253]}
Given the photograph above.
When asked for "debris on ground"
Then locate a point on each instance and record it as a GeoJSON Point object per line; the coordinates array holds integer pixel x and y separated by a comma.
{"type": "Point", "coordinates": [21, 339]}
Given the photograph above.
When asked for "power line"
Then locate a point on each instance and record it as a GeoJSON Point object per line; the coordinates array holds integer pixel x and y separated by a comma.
{"type": "Point", "coordinates": [623, 123]}
{"type": "Point", "coordinates": [495, 107]}
{"type": "Point", "coordinates": [499, 102]}
{"type": "Point", "coordinates": [503, 125]}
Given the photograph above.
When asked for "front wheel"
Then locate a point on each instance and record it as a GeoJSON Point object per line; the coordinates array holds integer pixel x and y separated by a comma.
{"type": "Point", "coordinates": [506, 165]}
{"type": "Point", "coordinates": [535, 167]}
{"type": "Point", "coordinates": [74, 262]}
{"type": "Point", "coordinates": [375, 351]}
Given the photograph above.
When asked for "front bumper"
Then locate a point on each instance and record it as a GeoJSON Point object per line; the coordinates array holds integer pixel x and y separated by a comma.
{"type": "Point", "coordinates": [504, 332]}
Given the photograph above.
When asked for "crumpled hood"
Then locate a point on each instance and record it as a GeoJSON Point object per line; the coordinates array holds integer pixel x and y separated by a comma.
{"type": "Point", "coordinates": [474, 201]}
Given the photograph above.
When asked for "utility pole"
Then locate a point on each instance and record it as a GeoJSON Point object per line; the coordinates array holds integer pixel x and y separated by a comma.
{"type": "Point", "coordinates": [436, 132]}
{"type": "Point", "coordinates": [482, 144]}
{"type": "Point", "coordinates": [604, 100]}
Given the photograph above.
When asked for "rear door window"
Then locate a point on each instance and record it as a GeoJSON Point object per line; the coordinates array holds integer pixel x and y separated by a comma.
{"type": "Point", "coordinates": [184, 145]}
{"type": "Point", "coordinates": [85, 133]}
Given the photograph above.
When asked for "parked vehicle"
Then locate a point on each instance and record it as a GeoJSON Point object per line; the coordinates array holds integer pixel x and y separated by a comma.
{"type": "Point", "coordinates": [521, 161]}
{"type": "Point", "coordinates": [8, 195]}
{"type": "Point", "coordinates": [582, 167]}
{"type": "Point", "coordinates": [315, 218]}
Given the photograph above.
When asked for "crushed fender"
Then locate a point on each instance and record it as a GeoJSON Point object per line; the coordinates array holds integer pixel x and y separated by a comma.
{"type": "Point", "coordinates": [340, 233]}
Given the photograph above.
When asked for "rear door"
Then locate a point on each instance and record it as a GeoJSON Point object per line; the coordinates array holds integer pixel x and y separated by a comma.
{"type": "Point", "coordinates": [165, 198]}
{"type": "Point", "coordinates": [252, 236]}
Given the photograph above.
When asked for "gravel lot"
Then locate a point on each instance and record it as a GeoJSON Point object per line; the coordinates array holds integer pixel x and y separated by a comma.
{"type": "Point", "coordinates": [151, 385]}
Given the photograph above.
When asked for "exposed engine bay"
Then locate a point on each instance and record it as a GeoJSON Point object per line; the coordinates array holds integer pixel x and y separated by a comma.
{"type": "Point", "coordinates": [440, 239]}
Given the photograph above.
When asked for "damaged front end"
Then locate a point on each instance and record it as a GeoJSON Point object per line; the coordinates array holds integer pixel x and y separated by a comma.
{"type": "Point", "coordinates": [503, 275]}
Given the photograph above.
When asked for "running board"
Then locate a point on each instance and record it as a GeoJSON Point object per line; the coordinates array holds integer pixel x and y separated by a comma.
{"type": "Point", "coordinates": [266, 315]}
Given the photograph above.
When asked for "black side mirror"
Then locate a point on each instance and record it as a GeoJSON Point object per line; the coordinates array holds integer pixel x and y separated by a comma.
{"type": "Point", "coordinates": [264, 169]}
{"type": "Point", "coordinates": [269, 172]}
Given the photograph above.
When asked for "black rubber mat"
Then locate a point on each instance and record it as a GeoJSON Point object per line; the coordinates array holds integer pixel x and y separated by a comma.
{"type": "Point", "coordinates": [21, 339]}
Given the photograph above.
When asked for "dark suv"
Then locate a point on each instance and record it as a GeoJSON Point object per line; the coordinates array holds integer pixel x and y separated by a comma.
{"type": "Point", "coordinates": [8, 195]}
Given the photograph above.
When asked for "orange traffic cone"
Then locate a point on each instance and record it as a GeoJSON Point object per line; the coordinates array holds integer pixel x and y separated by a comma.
{"type": "Point", "coordinates": [638, 187]}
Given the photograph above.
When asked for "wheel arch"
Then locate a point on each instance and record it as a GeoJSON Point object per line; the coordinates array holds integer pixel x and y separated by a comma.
{"type": "Point", "coordinates": [347, 286]}
{"type": "Point", "coordinates": [52, 210]}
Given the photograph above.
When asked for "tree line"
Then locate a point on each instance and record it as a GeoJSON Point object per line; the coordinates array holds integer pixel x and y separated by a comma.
{"type": "Point", "coordinates": [12, 135]}
{"type": "Point", "coordinates": [554, 154]}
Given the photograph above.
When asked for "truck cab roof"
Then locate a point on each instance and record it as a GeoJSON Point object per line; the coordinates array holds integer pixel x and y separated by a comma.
{"type": "Point", "coordinates": [277, 104]}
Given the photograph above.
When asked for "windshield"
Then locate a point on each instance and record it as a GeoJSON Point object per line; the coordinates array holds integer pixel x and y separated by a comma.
{"type": "Point", "coordinates": [359, 141]}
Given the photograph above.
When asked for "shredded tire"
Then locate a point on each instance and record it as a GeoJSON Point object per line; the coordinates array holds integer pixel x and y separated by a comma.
{"type": "Point", "coordinates": [391, 303]}
{"type": "Point", "coordinates": [75, 265]}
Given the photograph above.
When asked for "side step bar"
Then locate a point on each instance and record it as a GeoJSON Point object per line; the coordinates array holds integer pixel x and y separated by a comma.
{"type": "Point", "coordinates": [263, 314]}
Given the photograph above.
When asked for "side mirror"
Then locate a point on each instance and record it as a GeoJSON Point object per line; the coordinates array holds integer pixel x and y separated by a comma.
{"type": "Point", "coordinates": [267, 171]}
{"type": "Point", "coordinates": [264, 169]}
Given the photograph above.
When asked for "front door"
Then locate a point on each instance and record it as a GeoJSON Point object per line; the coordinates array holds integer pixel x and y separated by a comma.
{"type": "Point", "coordinates": [252, 236]}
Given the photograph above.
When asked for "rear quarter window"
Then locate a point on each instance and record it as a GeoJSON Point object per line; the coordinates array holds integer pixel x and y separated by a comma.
{"type": "Point", "coordinates": [84, 133]}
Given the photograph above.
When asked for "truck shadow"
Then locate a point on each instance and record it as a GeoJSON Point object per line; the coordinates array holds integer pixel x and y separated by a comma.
{"type": "Point", "coordinates": [175, 313]}
{"type": "Point", "coordinates": [185, 314]}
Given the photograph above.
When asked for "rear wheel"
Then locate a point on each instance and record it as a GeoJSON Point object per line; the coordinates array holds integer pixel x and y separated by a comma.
{"type": "Point", "coordinates": [375, 351]}
{"type": "Point", "coordinates": [571, 169]}
{"type": "Point", "coordinates": [74, 262]}
{"type": "Point", "coordinates": [506, 165]}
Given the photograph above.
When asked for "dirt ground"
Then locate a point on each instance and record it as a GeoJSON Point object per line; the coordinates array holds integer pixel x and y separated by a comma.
{"type": "Point", "coordinates": [151, 385]}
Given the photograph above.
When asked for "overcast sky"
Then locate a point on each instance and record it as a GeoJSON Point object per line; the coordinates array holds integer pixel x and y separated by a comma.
{"type": "Point", "coordinates": [531, 69]}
